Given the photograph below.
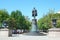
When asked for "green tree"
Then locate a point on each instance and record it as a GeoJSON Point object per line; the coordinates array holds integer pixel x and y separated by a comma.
{"type": "Point", "coordinates": [21, 22]}
{"type": "Point", "coordinates": [3, 16]}
{"type": "Point", "coordinates": [18, 17]}
{"type": "Point", "coordinates": [27, 25]}
{"type": "Point", "coordinates": [46, 21]}
{"type": "Point", "coordinates": [16, 14]}
{"type": "Point", "coordinates": [11, 25]}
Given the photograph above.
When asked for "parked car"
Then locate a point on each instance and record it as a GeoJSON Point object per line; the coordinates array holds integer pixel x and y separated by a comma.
{"type": "Point", "coordinates": [14, 31]}
{"type": "Point", "coordinates": [19, 31]}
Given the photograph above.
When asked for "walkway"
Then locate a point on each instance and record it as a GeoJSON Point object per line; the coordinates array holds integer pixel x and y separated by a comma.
{"type": "Point", "coordinates": [24, 37]}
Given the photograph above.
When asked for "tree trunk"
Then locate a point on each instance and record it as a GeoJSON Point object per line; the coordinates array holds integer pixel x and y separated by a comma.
{"type": "Point", "coordinates": [10, 33]}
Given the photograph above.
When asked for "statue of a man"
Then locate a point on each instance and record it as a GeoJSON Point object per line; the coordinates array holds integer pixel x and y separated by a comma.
{"type": "Point", "coordinates": [34, 12]}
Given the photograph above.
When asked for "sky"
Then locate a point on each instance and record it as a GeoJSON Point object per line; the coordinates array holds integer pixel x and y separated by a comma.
{"type": "Point", "coordinates": [26, 6]}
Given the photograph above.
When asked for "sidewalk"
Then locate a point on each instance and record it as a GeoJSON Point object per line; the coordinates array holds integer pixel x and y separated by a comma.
{"type": "Point", "coordinates": [24, 37]}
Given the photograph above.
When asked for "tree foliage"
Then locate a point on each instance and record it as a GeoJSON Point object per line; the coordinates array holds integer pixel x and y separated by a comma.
{"type": "Point", "coordinates": [3, 16]}
{"type": "Point", "coordinates": [21, 22]}
{"type": "Point", "coordinates": [15, 21]}
{"type": "Point", "coordinates": [11, 23]}
{"type": "Point", "coordinates": [46, 21]}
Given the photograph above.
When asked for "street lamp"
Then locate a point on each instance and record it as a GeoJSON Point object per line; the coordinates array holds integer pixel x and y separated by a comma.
{"type": "Point", "coordinates": [5, 23]}
{"type": "Point", "coordinates": [54, 22]}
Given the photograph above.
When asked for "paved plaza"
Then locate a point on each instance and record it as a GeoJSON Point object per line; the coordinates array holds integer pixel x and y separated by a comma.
{"type": "Point", "coordinates": [25, 37]}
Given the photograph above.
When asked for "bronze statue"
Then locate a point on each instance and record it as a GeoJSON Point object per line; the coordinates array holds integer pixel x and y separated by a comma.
{"type": "Point", "coordinates": [34, 12]}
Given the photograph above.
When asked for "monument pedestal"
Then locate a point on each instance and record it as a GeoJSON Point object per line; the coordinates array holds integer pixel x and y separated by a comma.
{"type": "Point", "coordinates": [34, 25]}
{"type": "Point", "coordinates": [34, 30]}
{"type": "Point", "coordinates": [54, 32]}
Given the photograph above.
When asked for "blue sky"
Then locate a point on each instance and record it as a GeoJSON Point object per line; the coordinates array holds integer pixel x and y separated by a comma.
{"type": "Point", "coordinates": [26, 6]}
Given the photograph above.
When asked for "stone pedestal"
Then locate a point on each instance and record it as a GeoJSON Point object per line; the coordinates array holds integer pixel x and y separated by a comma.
{"type": "Point", "coordinates": [54, 32]}
{"type": "Point", "coordinates": [34, 30]}
{"type": "Point", "coordinates": [4, 32]}
{"type": "Point", "coordinates": [34, 25]}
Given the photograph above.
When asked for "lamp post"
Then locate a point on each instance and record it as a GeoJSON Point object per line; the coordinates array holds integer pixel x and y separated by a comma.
{"type": "Point", "coordinates": [5, 23]}
{"type": "Point", "coordinates": [54, 22]}
{"type": "Point", "coordinates": [54, 32]}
